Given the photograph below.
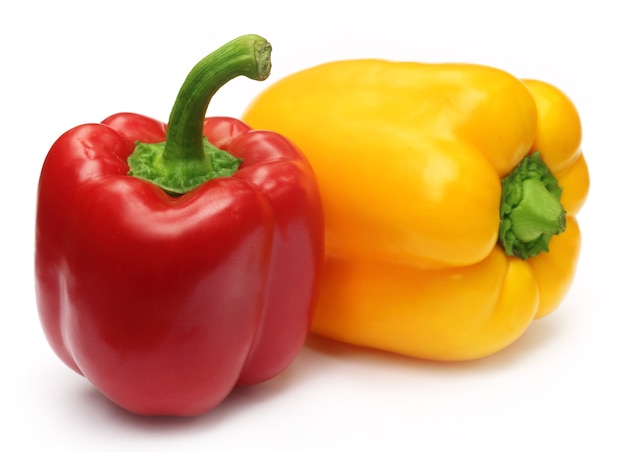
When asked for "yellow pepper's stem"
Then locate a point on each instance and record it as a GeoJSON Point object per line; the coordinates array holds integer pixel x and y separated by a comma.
{"type": "Point", "coordinates": [530, 210]}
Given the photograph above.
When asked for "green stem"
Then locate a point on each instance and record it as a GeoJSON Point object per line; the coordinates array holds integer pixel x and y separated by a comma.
{"type": "Point", "coordinates": [186, 159]}
{"type": "Point", "coordinates": [530, 210]}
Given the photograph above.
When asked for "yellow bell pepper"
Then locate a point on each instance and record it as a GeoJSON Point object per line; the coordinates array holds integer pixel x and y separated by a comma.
{"type": "Point", "coordinates": [450, 193]}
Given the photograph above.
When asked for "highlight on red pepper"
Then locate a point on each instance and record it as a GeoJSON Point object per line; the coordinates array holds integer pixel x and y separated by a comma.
{"type": "Point", "coordinates": [175, 262]}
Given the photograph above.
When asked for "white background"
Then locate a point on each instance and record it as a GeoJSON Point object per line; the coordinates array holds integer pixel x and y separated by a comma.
{"type": "Point", "coordinates": [561, 385]}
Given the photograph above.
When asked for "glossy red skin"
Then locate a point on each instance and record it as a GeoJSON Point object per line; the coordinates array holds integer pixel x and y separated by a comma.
{"type": "Point", "coordinates": [165, 304]}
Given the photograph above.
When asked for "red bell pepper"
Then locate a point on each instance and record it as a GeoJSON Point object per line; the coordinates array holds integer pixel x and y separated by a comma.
{"type": "Point", "coordinates": [197, 272]}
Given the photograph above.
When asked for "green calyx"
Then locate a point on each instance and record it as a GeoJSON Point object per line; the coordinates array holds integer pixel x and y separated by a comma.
{"type": "Point", "coordinates": [178, 176]}
{"type": "Point", "coordinates": [186, 159]}
{"type": "Point", "coordinates": [530, 209]}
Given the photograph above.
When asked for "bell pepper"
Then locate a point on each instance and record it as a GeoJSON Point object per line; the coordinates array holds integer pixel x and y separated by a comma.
{"type": "Point", "coordinates": [450, 194]}
{"type": "Point", "coordinates": [176, 262]}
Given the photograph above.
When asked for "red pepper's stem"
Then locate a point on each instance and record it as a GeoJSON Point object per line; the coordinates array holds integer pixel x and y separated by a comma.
{"type": "Point", "coordinates": [186, 159]}
{"type": "Point", "coordinates": [247, 55]}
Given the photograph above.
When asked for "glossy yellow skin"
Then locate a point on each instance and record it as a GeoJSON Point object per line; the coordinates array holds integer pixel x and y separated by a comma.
{"type": "Point", "coordinates": [409, 159]}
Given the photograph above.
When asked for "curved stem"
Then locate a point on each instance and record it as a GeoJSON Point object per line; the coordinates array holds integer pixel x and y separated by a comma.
{"type": "Point", "coordinates": [247, 55]}
{"type": "Point", "coordinates": [186, 159]}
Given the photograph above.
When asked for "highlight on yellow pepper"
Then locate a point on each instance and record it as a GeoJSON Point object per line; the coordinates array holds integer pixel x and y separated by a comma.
{"type": "Point", "coordinates": [450, 194]}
